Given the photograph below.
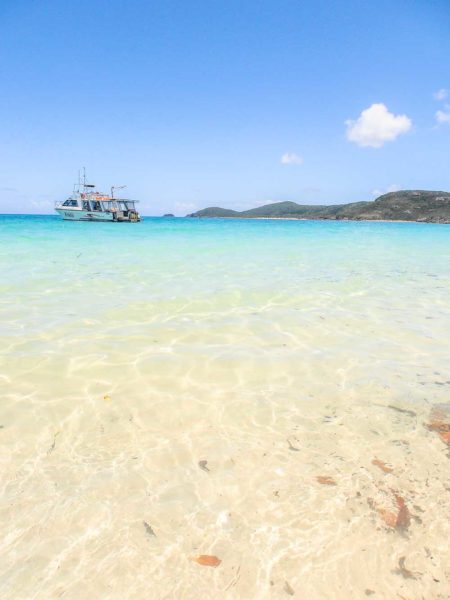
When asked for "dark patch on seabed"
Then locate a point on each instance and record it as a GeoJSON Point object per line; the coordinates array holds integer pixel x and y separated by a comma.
{"type": "Point", "coordinates": [405, 411]}
{"type": "Point", "coordinates": [149, 529]}
{"type": "Point", "coordinates": [440, 423]}
{"type": "Point", "coordinates": [403, 571]}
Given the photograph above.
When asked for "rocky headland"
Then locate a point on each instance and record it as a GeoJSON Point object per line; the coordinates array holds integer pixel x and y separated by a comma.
{"type": "Point", "coordinates": [407, 205]}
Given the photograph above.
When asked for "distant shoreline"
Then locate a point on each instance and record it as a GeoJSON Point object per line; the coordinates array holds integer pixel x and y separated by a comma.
{"type": "Point", "coordinates": [420, 206]}
{"type": "Point", "coordinates": [325, 220]}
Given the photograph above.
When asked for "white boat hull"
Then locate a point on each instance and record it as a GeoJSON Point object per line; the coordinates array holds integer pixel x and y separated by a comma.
{"type": "Point", "coordinates": [76, 214]}
{"type": "Point", "coordinates": [86, 204]}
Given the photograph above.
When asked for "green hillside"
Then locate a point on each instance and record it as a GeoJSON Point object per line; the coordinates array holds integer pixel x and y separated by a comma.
{"type": "Point", "coordinates": [406, 205]}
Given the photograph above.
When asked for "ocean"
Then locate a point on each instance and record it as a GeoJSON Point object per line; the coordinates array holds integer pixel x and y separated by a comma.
{"type": "Point", "coordinates": [274, 394]}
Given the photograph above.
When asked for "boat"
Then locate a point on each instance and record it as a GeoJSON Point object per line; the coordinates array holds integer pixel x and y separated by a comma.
{"type": "Point", "coordinates": [87, 204]}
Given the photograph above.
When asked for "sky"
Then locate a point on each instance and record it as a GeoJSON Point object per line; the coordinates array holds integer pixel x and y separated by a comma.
{"type": "Point", "coordinates": [223, 103]}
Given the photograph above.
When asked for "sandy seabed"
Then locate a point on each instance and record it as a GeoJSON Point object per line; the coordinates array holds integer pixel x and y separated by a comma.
{"type": "Point", "coordinates": [245, 430]}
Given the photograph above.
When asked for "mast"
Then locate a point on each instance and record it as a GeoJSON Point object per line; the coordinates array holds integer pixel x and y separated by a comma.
{"type": "Point", "coordinates": [116, 187]}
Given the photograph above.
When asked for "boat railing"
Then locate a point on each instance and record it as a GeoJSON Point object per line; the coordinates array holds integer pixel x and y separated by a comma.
{"type": "Point", "coordinates": [124, 200]}
{"type": "Point", "coordinates": [60, 204]}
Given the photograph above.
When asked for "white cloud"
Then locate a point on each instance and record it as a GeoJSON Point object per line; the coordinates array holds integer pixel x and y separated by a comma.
{"type": "Point", "coordinates": [441, 94]}
{"type": "Point", "coordinates": [376, 125]}
{"type": "Point", "coordinates": [443, 117]}
{"type": "Point", "coordinates": [394, 187]}
{"type": "Point", "coordinates": [289, 158]}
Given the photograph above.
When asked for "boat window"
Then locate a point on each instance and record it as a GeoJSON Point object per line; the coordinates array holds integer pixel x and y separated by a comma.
{"type": "Point", "coordinates": [70, 202]}
{"type": "Point", "coordinates": [96, 205]}
{"type": "Point", "coordinates": [86, 205]}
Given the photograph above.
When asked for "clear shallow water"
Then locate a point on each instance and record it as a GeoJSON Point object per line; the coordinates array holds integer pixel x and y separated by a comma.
{"type": "Point", "coordinates": [278, 352]}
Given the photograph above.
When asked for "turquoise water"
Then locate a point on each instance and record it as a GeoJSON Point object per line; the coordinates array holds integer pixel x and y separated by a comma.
{"type": "Point", "coordinates": [275, 351]}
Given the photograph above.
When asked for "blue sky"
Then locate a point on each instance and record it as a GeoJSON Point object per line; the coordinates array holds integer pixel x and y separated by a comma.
{"type": "Point", "coordinates": [193, 104]}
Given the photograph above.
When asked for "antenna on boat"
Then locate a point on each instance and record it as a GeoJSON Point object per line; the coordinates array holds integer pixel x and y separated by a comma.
{"type": "Point", "coordinates": [84, 177]}
{"type": "Point", "coordinates": [116, 187]}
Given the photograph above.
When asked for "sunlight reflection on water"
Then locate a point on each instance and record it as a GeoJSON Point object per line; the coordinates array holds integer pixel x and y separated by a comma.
{"type": "Point", "coordinates": [277, 352]}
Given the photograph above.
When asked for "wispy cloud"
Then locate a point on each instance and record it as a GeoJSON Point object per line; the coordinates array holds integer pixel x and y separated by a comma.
{"type": "Point", "coordinates": [442, 116]}
{"type": "Point", "coordinates": [41, 204]}
{"type": "Point", "coordinates": [184, 207]}
{"type": "Point", "coordinates": [394, 187]}
{"type": "Point", "coordinates": [376, 125]}
{"type": "Point", "coordinates": [441, 94]}
{"type": "Point", "coordinates": [290, 158]}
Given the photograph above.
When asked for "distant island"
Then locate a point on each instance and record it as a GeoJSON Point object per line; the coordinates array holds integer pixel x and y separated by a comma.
{"type": "Point", "coordinates": [406, 205]}
{"type": "Point", "coordinates": [168, 215]}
